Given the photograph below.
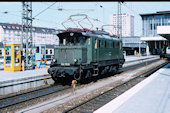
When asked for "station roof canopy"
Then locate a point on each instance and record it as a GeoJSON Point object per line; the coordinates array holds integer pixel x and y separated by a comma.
{"type": "Point", "coordinates": [164, 31]}
{"type": "Point", "coordinates": [157, 13]}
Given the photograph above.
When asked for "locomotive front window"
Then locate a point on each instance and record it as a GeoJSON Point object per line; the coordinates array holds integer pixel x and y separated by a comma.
{"type": "Point", "coordinates": [73, 41]}
{"type": "Point", "coordinates": [113, 45]}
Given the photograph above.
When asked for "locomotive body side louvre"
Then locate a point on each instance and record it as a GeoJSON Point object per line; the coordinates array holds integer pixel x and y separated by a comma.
{"type": "Point", "coordinates": [67, 55]}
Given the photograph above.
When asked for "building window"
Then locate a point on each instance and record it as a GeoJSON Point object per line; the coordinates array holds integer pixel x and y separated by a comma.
{"type": "Point", "coordinates": [51, 51]}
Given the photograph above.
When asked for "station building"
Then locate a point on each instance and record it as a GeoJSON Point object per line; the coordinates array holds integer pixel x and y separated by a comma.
{"type": "Point", "coordinates": [132, 44]}
{"type": "Point", "coordinates": [151, 23]}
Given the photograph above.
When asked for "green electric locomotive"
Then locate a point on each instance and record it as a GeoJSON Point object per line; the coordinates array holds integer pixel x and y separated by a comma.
{"type": "Point", "coordinates": [83, 54]}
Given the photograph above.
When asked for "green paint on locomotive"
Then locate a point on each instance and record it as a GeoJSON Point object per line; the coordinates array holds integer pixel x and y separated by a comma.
{"type": "Point", "coordinates": [79, 48]}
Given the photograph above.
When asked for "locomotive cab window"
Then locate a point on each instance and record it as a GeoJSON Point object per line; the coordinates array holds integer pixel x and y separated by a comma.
{"type": "Point", "coordinates": [61, 41]}
{"type": "Point", "coordinates": [113, 44]}
{"type": "Point", "coordinates": [73, 41]}
{"type": "Point", "coordinates": [95, 44]}
{"type": "Point", "coordinates": [105, 44]}
{"type": "Point", "coordinates": [100, 43]}
{"type": "Point", "coordinates": [118, 45]}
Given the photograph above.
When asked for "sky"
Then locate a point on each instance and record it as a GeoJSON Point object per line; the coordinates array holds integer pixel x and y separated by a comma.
{"type": "Point", "coordinates": [53, 18]}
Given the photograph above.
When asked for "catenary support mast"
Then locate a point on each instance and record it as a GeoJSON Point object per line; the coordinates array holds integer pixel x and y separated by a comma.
{"type": "Point", "coordinates": [119, 20]}
{"type": "Point", "coordinates": [26, 39]}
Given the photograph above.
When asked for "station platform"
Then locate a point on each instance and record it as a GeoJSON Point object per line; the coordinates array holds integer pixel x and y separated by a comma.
{"type": "Point", "coordinates": [152, 95]}
{"type": "Point", "coordinates": [6, 76]}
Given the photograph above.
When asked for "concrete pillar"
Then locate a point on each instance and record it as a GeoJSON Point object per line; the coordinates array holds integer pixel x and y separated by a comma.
{"type": "Point", "coordinates": [160, 45]}
{"type": "Point", "coordinates": [147, 49]}
{"type": "Point", "coordinates": [139, 49]}
{"type": "Point", "coordinates": [155, 45]}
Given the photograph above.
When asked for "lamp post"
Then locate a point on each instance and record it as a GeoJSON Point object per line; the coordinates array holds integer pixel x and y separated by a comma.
{"type": "Point", "coordinates": [139, 48]}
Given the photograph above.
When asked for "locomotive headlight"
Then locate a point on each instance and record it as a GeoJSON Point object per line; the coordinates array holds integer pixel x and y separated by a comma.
{"type": "Point", "coordinates": [71, 34]}
{"type": "Point", "coordinates": [75, 60]}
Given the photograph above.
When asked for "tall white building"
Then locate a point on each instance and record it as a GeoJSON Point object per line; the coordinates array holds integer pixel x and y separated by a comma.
{"type": "Point", "coordinates": [11, 33]}
{"type": "Point", "coordinates": [127, 24]}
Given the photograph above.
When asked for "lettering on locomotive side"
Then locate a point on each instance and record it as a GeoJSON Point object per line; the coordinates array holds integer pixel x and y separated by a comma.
{"type": "Point", "coordinates": [65, 64]}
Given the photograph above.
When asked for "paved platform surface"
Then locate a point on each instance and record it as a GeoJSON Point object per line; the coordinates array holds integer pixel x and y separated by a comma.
{"type": "Point", "coordinates": [152, 95]}
{"type": "Point", "coordinates": [5, 75]}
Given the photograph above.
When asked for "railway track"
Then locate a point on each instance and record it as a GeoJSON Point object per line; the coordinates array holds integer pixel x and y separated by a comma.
{"type": "Point", "coordinates": [98, 101]}
{"type": "Point", "coordinates": [13, 100]}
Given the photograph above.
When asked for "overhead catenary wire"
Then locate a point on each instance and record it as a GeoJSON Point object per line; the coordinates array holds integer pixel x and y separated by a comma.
{"type": "Point", "coordinates": [36, 19]}
{"type": "Point", "coordinates": [50, 7]}
{"type": "Point", "coordinates": [125, 4]}
{"type": "Point", "coordinates": [44, 10]}
{"type": "Point", "coordinates": [68, 11]}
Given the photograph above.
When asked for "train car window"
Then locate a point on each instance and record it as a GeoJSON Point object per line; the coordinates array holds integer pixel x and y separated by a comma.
{"type": "Point", "coordinates": [100, 44]}
{"type": "Point", "coordinates": [118, 45]}
{"type": "Point", "coordinates": [105, 44]}
{"type": "Point", "coordinates": [113, 44]}
{"type": "Point", "coordinates": [82, 40]}
{"type": "Point", "coordinates": [95, 44]}
{"type": "Point", "coordinates": [46, 51]}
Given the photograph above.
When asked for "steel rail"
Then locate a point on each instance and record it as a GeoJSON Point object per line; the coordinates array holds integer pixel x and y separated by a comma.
{"type": "Point", "coordinates": [42, 79]}
{"type": "Point", "coordinates": [29, 95]}
{"type": "Point", "coordinates": [99, 98]}
{"type": "Point", "coordinates": [8, 100]}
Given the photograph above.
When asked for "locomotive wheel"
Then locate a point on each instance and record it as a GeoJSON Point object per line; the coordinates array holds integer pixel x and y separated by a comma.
{"type": "Point", "coordinates": [88, 74]}
{"type": "Point", "coordinates": [77, 76]}
{"type": "Point", "coordinates": [53, 76]}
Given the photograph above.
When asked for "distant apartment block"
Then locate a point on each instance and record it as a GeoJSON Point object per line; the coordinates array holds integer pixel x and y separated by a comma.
{"type": "Point", "coordinates": [127, 24]}
{"type": "Point", "coordinates": [11, 33]}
